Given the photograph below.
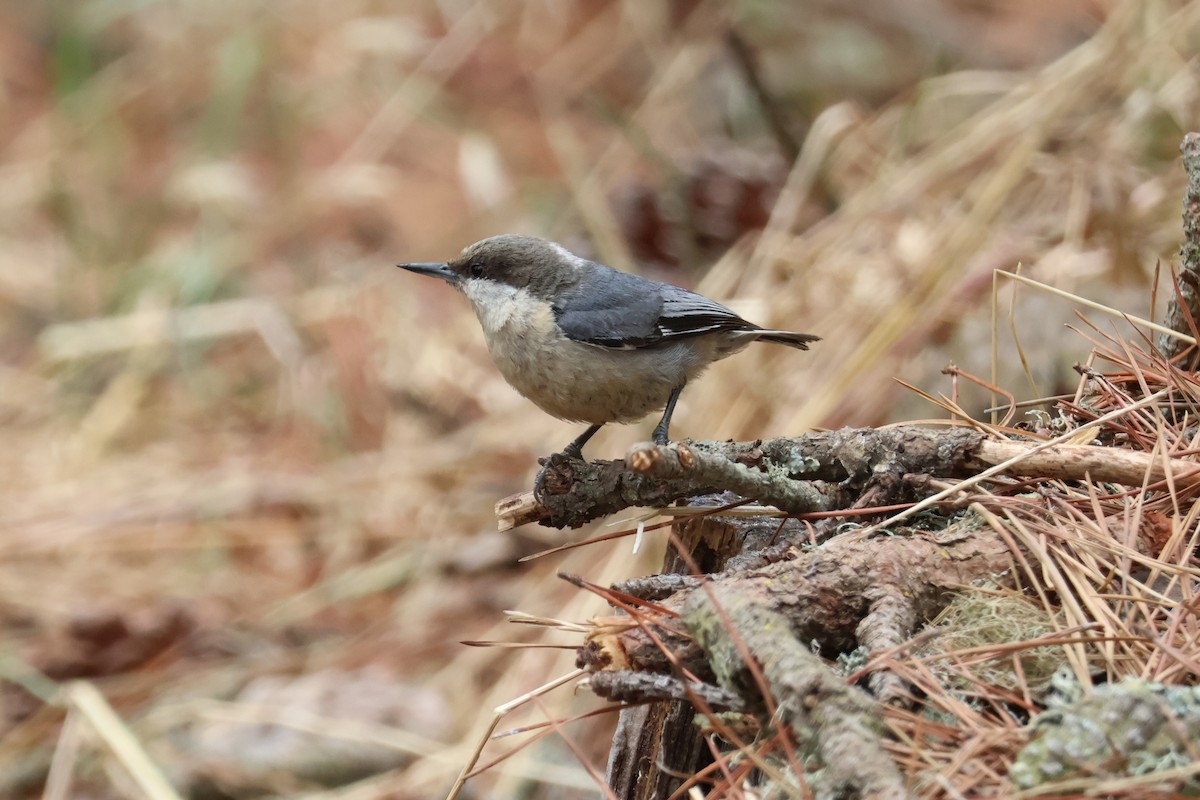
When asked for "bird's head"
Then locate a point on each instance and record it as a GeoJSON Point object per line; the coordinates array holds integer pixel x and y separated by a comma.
{"type": "Point", "coordinates": [536, 265]}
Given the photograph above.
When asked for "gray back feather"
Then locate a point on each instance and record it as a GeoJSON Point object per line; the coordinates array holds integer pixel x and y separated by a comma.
{"type": "Point", "coordinates": [620, 310]}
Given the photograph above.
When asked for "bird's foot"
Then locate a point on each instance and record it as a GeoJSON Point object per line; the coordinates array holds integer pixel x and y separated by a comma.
{"type": "Point", "coordinates": [552, 464]}
{"type": "Point", "coordinates": [551, 474]}
{"type": "Point", "coordinates": [659, 436]}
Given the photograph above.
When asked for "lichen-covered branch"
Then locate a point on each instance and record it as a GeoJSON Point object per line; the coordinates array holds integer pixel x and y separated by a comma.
{"type": "Point", "coordinates": [575, 492]}
{"type": "Point", "coordinates": [628, 685]}
{"type": "Point", "coordinates": [837, 722]}
{"type": "Point", "coordinates": [826, 594]}
{"type": "Point", "coordinates": [816, 472]}
{"type": "Point", "coordinates": [1183, 311]}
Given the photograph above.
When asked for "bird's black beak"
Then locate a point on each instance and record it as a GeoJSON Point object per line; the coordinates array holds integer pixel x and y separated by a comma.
{"type": "Point", "coordinates": [433, 270]}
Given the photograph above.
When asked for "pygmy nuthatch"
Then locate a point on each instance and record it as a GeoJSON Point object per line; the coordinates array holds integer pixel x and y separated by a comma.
{"type": "Point", "coordinates": [587, 343]}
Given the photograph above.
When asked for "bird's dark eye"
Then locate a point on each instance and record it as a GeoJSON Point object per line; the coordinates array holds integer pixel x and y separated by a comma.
{"type": "Point", "coordinates": [476, 269]}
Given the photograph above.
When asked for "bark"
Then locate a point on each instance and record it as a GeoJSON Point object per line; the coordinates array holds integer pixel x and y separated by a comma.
{"type": "Point", "coordinates": [655, 743]}
{"type": "Point", "coordinates": [870, 586]}
{"type": "Point", "coordinates": [817, 472]}
{"type": "Point", "coordinates": [1183, 311]}
{"type": "Point", "coordinates": [839, 723]}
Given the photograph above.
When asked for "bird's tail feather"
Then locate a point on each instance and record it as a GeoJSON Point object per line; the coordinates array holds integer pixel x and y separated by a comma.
{"type": "Point", "coordinates": [798, 340]}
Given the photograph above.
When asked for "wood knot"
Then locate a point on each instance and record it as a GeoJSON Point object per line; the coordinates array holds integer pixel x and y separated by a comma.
{"type": "Point", "coordinates": [687, 456]}
{"type": "Point", "coordinates": [643, 457]}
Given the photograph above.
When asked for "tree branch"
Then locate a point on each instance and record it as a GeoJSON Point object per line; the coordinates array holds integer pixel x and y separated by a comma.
{"type": "Point", "coordinates": [785, 472]}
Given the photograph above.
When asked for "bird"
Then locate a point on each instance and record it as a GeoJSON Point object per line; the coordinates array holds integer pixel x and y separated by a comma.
{"type": "Point", "coordinates": [588, 343]}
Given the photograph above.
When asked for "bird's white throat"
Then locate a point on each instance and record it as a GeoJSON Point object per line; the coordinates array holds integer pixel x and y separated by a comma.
{"type": "Point", "coordinates": [500, 305]}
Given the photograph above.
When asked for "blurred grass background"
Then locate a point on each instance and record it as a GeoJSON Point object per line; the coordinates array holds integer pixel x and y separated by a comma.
{"type": "Point", "coordinates": [251, 467]}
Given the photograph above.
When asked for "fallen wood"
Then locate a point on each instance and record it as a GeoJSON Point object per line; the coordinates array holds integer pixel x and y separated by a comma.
{"type": "Point", "coordinates": [789, 590]}
{"type": "Point", "coordinates": [786, 472]}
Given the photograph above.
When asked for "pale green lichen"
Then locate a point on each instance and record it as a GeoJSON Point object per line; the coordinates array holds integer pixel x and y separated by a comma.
{"type": "Point", "coordinates": [1132, 728]}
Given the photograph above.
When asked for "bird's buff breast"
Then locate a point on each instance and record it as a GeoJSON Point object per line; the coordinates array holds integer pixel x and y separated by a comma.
{"type": "Point", "coordinates": [569, 379]}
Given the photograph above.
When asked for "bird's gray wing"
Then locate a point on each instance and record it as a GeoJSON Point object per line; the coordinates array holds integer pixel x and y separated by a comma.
{"type": "Point", "coordinates": [619, 310]}
{"type": "Point", "coordinates": [689, 314]}
{"type": "Point", "coordinates": [611, 309]}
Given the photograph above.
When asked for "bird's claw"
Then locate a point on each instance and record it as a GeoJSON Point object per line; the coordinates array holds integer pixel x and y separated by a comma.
{"type": "Point", "coordinates": [551, 464]}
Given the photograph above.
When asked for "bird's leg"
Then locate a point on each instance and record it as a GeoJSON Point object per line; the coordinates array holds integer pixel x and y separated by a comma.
{"type": "Point", "coordinates": [660, 430]}
{"type": "Point", "coordinates": [573, 450]}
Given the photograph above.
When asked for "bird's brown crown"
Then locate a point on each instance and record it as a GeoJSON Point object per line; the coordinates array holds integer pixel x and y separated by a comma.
{"type": "Point", "coordinates": [526, 262]}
